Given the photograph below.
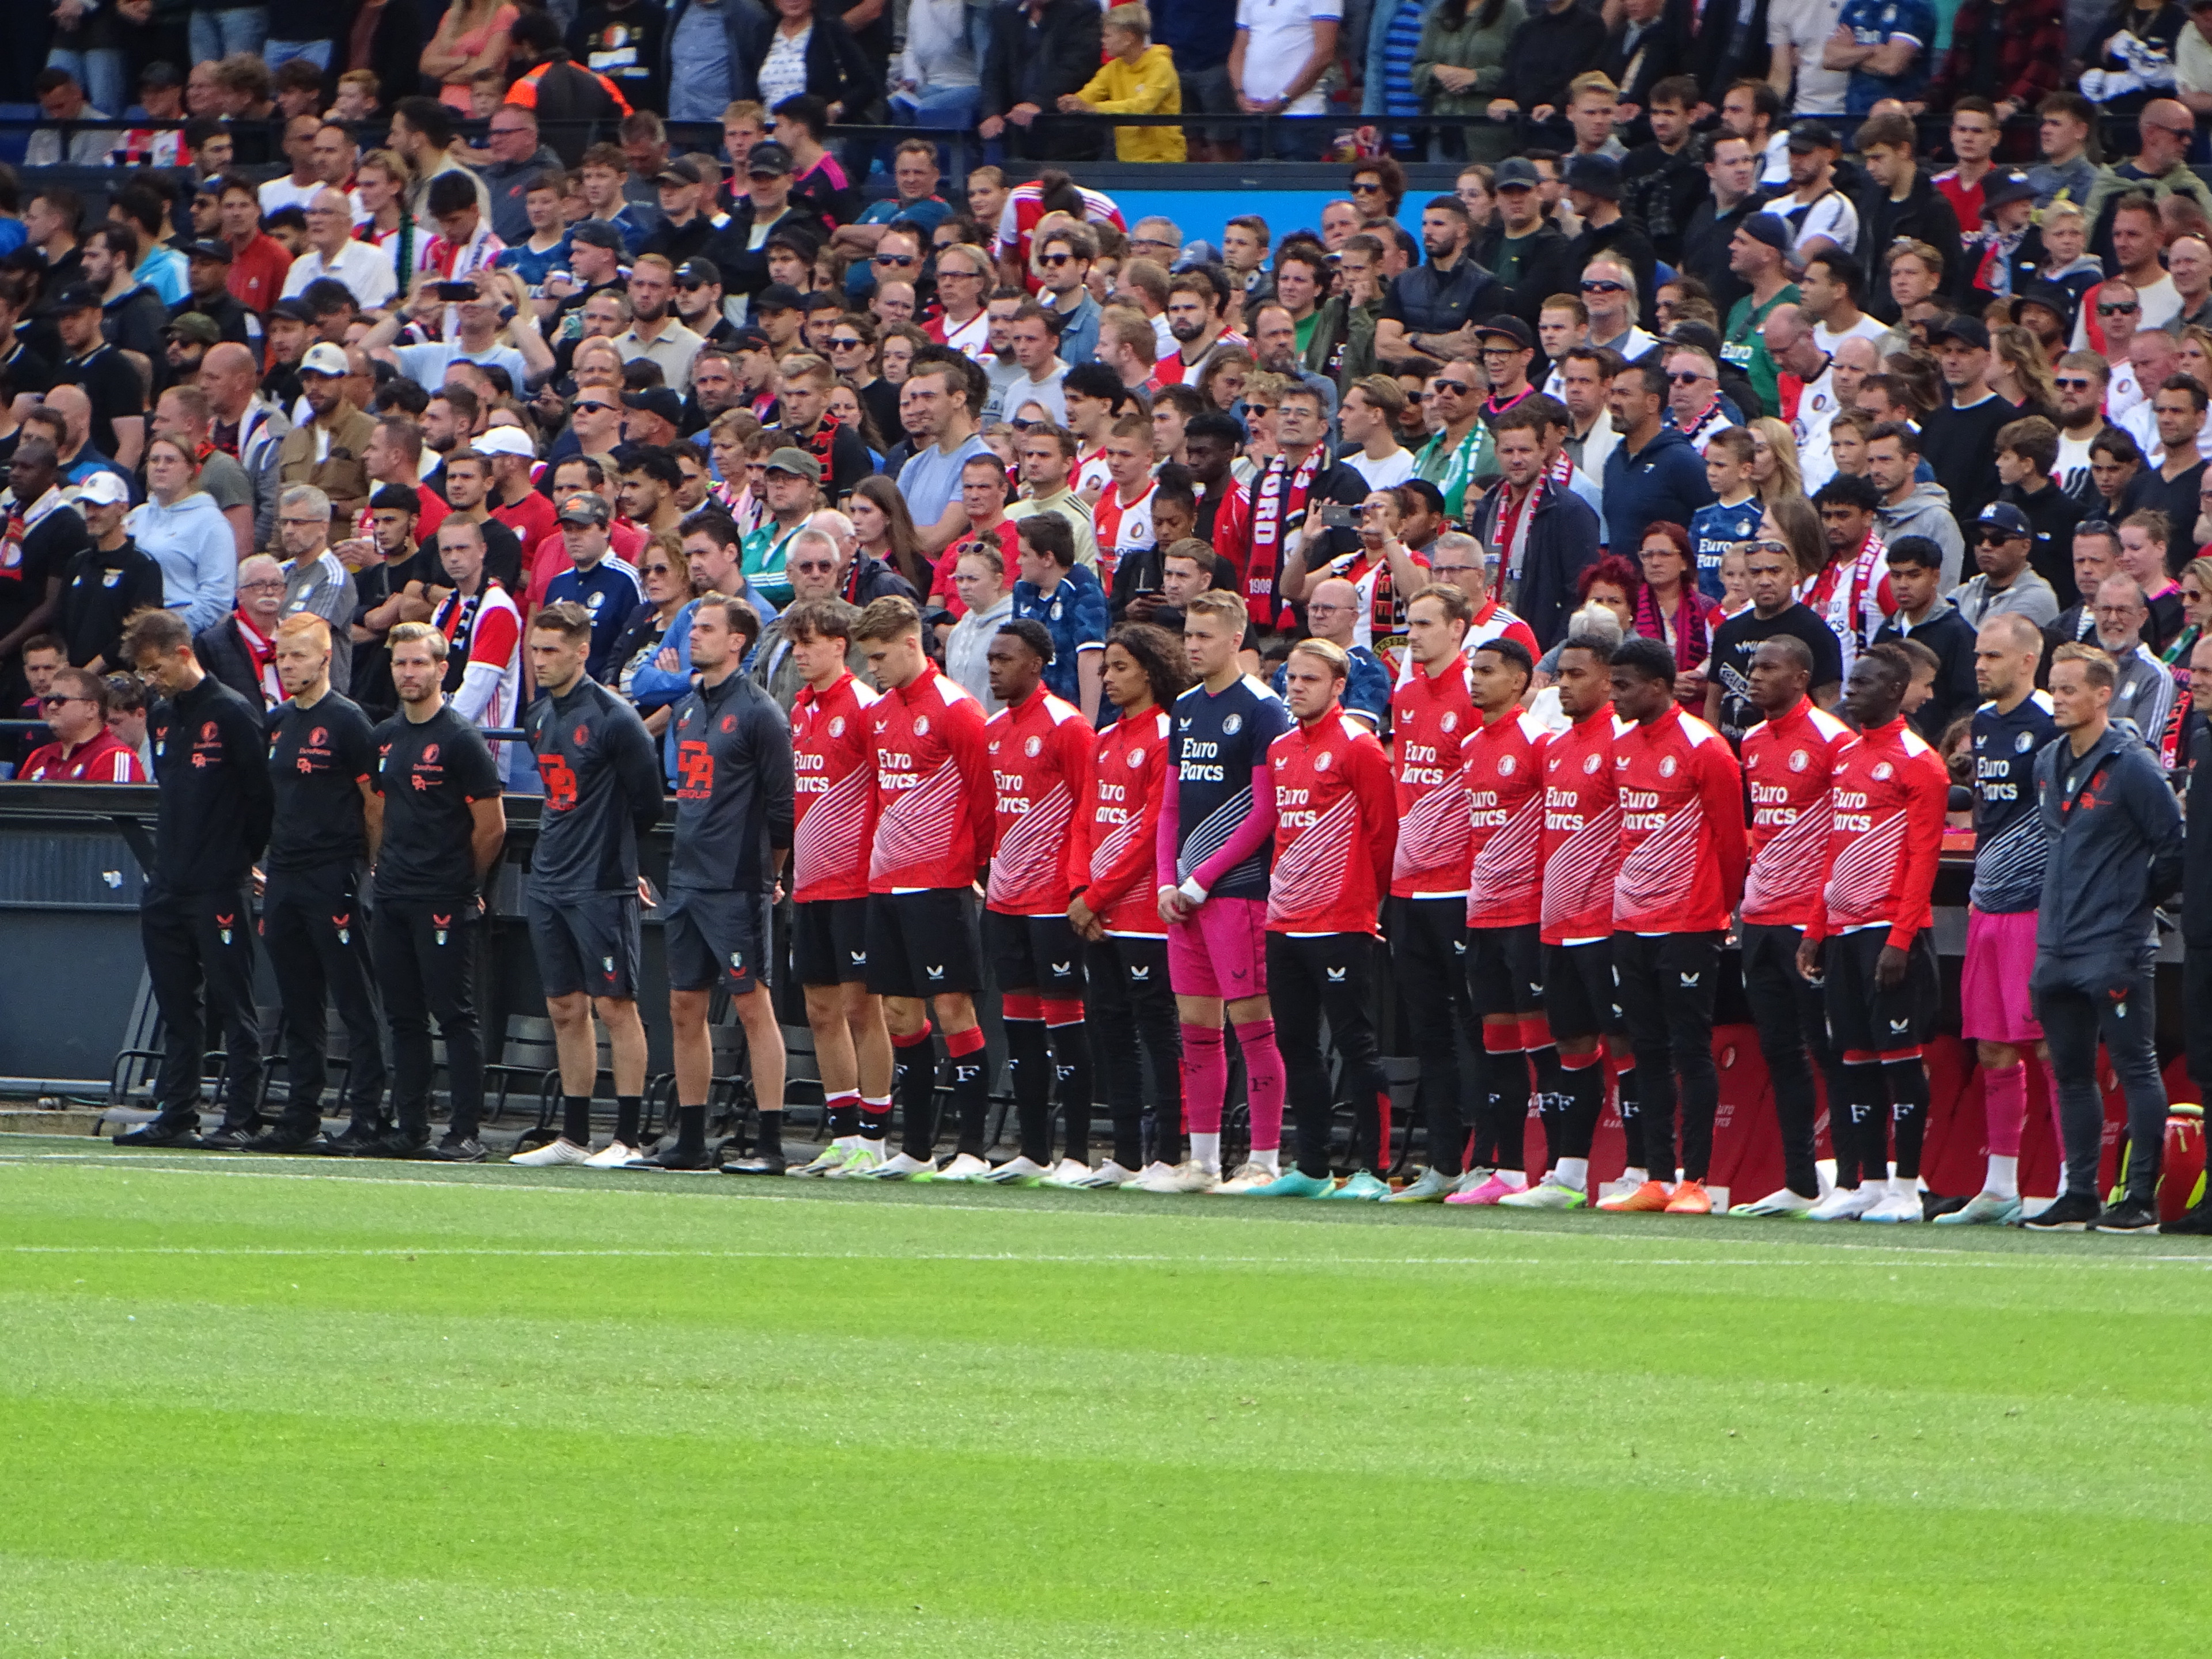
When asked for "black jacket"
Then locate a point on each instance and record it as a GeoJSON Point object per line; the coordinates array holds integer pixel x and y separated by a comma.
{"type": "Point", "coordinates": [2115, 844]}
{"type": "Point", "coordinates": [1661, 193]}
{"type": "Point", "coordinates": [1722, 53]}
{"type": "Point", "coordinates": [1427, 301]}
{"type": "Point", "coordinates": [1661, 50]}
{"type": "Point", "coordinates": [837, 70]}
{"type": "Point", "coordinates": [1563, 539]}
{"type": "Point", "coordinates": [1951, 637]}
{"type": "Point", "coordinates": [223, 654]}
{"type": "Point", "coordinates": [1040, 66]}
{"type": "Point", "coordinates": [211, 762]}
{"type": "Point", "coordinates": [2197, 881]}
{"type": "Point", "coordinates": [1926, 216]}
{"type": "Point", "coordinates": [1705, 247]}
{"type": "Point", "coordinates": [871, 578]}
{"type": "Point", "coordinates": [2051, 514]}
{"type": "Point", "coordinates": [225, 312]}
{"type": "Point", "coordinates": [1548, 49]}
{"type": "Point", "coordinates": [743, 270]}
{"type": "Point", "coordinates": [99, 590]}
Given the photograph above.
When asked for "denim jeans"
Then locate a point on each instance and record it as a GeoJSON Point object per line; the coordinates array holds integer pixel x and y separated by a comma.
{"type": "Point", "coordinates": [218, 31]}
{"type": "Point", "coordinates": [317, 53]}
{"type": "Point", "coordinates": [953, 106]}
{"type": "Point", "coordinates": [100, 72]}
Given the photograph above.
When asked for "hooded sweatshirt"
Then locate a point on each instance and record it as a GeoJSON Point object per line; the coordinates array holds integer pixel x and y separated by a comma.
{"type": "Point", "coordinates": [1927, 512]}
{"type": "Point", "coordinates": [1148, 87]}
{"type": "Point", "coordinates": [191, 541]}
{"type": "Point", "coordinates": [2115, 846]}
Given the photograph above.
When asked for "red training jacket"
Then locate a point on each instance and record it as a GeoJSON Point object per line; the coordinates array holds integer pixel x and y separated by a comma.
{"type": "Point", "coordinates": [1787, 762]}
{"type": "Point", "coordinates": [1040, 752]}
{"type": "Point", "coordinates": [1430, 720]}
{"type": "Point", "coordinates": [1681, 827]}
{"type": "Point", "coordinates": [1888, 793]}
{"type": "Point", "coordinates": [1505, 797]}
{"type": "Point", "coordinates": [834, 793]}
{"type": "Point", "coordinates": [933, 814]}
{"type": "Point", "coordinates": [1111, 859]}
{"type": "Point", "coordinates": [1336, 828]}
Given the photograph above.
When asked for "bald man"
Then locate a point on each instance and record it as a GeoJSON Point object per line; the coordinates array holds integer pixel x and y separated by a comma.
{"type": "Point", "coordinates": [365, 270]}
{"type": "Point", "coordinates": [246, 425]}
{"type": "Point", "coordinates": [1333, 614]}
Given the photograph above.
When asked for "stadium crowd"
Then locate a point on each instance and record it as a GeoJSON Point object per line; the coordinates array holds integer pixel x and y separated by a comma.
{"type": "Point", "coordinates": [1520, 610]}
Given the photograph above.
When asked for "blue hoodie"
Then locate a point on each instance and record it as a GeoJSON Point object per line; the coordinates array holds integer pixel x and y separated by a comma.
{"type": "Point", "coordinates": [193, 543]}
{"type": "Point", "coordinates": [1663, 481]}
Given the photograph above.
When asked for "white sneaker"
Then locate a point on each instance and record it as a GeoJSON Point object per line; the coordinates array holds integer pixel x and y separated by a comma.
{"type": "Point", "coordinates": [965, 1166]}
{"type": "Point", "coordinates": [612, 1156]}
{"type": "Point", "coordinates": [1107, 1175]}
{"type": "Point", "coordinates": [899, 1167]}
{"type": "Point", "coordinates": [1189, 1177]}
{"type": "Point", "coordinates": [1018, 1171]}
{"type": "Point", "coordinates": [563, 1150]}
{"type": "Point", "coordinates": [1545, 1194]}
{"type": "Point", "coordinates": [1248, 1178]}
{"type": "Point", "coordinates": [1472, 1181]}
{"type": "Point", "coordinates": [1783, 1204]}
{"type": "Point", "coordinates": [1618, 1186]}
{"type": "Point", "coordinates": [1069, 1172]}
{"type": "Point", "coordinates": [1844, 1203]}
{"type": "Point", "coordinates": [830, 1157]}
{"type": "Point", "coordinates": [1895, 1207]}
{"type": "Point", "coordinates": [862, 1160]}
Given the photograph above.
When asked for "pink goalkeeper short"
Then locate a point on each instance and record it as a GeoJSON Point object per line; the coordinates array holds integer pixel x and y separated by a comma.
{"type": "Point", "coordinates": [1221, 951]}
{"type": "Point", "coordinates": [1993, 1001]}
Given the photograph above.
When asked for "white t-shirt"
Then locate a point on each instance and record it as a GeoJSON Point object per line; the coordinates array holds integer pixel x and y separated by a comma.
{"type": "Point", "coordinates": [1279, 39]}
{"type": "Point", "coordinates": [2160, 301]}
{"type": "Point", "coordinates": [1804, 26]}
{"type": "Point", "coordinates": [1833, 217]}
{"type": "Point", "coordinates": [282, 192]}
{"type": "Point", "coordinates": [1387, 473]}
{"type": "Point", "coordinates": [2073, 467]}
{"type": "Point", "coordinates": [2192, 62]}
{"type": "Point", "coordinates": [1865, 328]}
{"type": "Point", "coordinates": [365, 268]}
{"type": "Point", "coordinates": [1047, 393]}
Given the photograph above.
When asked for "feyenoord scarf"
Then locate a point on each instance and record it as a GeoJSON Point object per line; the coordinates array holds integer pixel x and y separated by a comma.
{"type": "Point", "coordinates": [1277, 499]}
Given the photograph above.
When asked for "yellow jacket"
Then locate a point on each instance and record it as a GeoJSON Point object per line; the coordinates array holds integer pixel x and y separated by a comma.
{"type": "Point", "coordinates": [1149, 87]}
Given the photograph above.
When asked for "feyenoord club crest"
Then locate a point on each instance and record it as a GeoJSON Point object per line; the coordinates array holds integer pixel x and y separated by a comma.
{"type": "Point", "coordinates": [1591, 765]}
{"type": "Point", "coordinates": [2023, 743]}
{"type": "Point", "coordinates": [1320, 762]}
{"type": "Point", "coordinates": [1232, 725]}
{"type": "Point", "coordinates": [430, 754]}
{"type": "Point", "coordinates": [836, 725]}
{"type": "Point", "coordinates": [581, 735]}
{"type": "Point", "coordinates": [921, 725]}
{"type": "Point", "coordinates": [1033, 747]}
{"type": "Point", "coordinates": [1136, 758]}
{"type": "Point", "coordinates": [438, 928]}
{"type": "Point", "coordinates": [222, 928]}
{"type": "Point", "coordinates": [1881, 771]}
{"type": "Point", "coordinates": [317, 738]}
{"type": "Point", "coordinates": [1667, 766]}
{"type": "Point", "coordinates": [729, 722]}
{"type": "Point", "coordinates": [1799, 760]}
{"type": "Point", "coordinates": [1505, 765]}
{"type": "Point", "coordinates": [1450, 721]}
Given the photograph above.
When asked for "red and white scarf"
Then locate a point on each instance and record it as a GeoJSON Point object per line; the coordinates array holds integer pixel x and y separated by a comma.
{"type": "Point", "coordinates": [21, 521]}
{"type": "Point", "coordinates": [1850, 596]}
{"type": "Point", "coordinates": [261, 651]}
{"type": "Point", "coordinates": [1277, 495]}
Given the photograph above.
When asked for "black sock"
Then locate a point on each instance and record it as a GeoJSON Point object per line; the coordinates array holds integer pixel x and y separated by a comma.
{"type": "Point", "coordinates": [769, 1142]}
{"type": "Point", "coordinates": [576, 1119]}
{"type": "Point", "coordinates": [690, 1129]}
{"type": "Point", "coordinates": [1129, 1141]}
{"type": "Point", "coordinates": [916, 1086]}
{"type": "Point", "coordinates": [1030, 1072]}
{"type": "Point", "coordinates": [1508, 1109]}
{"type": "Point", "coordinates": [1908, 1095]}
{"type": "Point", "coordinates": [1551, 1101]}
{"type": "Point", "coordinates": [1631, 1121]}
{"type": "Point", "coordinates": [1868, 1127]}
{"type": "Point", "coordinates": [844, 1116]}
{"type": "Point", "coordinates": [1071, 1055]}
{"type": "Point", "coordinates": [1584, 1087]}
{"type": "Point", "coordinates": [629, 1118]}
{"type": "Point", "coordinates": [971, 1099]}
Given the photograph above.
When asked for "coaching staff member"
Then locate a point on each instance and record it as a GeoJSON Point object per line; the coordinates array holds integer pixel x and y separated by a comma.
{"type": "Point", "coordinates": [320, 757]}
{"type": "Point", "coordinates": [435, 834]}
{"type": "Point", "coordinates": [194, 916]}
{"type": "Point", "coordinates": [602, 796]}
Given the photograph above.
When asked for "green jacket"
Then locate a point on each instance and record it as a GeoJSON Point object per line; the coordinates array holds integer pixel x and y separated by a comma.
{"type": "Point", "coordinates": [1343, 344]}
{"type": "Point", "coordinates": [1467, 47]}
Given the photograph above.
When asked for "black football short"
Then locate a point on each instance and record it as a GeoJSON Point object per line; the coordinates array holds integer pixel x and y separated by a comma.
{"type": "Point", "coordinates": [1034, 953]}
{"type": "Point", "coordinates": [1863, 1017]}
{"type": "Point", "coordinates": [1580, 997]}
{"type": "Point", "coordinates": [923, 944]}
{"type": "Point", "coordinates": [715, 939]}
{"type": "Point", "coordinates": [830, 941]}
{"type": "Point", "coordinates": [586, 945]}
{"type": "Point", "coordinates": [1505, 970]}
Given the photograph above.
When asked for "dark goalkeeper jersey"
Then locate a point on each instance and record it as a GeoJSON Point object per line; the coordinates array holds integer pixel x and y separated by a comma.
{"type": "Point", "coordinates": [317, 759]}
{"type": "Point", "coordinates": [602, 791]}
{"type": "Point", "coordinates": [734, 789]}
{"type": "Point", "coordinates": [2008, 836]}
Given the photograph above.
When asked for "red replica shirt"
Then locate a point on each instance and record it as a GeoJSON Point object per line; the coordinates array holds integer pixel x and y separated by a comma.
{"type": "Point", "coordinates": [1040, 752]}
{"type": "Point", "coordinates": [933, 815]}
{"type": "Point", "coordinates": [1336, 828]}
{"type": "Point", "coordinates": [1505, 800]}
{"type": "Point", "coordinates": [1888, 793]}
{"type": "Point", "coordinates": [1429, 719]}
{"type": "Point", "coordinates": [832, 791]}
{"type": "Point", "coordinates": [1121, 527]}
{"type": "Point", "coordinates": [530, 519]}
{"type": "Point", "coordinates": [1111, 857]}
{"type": "Point", "coordinates": [103, 759]}
{"type": "Point", "coordinates": [1681, 827]}
{"type": "Point", "coordinates": [258, 272]}
{"type": "Point", "coordinates": [1581, 846]}
{"type": "Point", "coordinates": [1787, 762]}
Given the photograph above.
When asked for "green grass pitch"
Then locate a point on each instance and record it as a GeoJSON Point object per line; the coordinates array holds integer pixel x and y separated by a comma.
{"type": "Point", "coordinates": [293, 1409]}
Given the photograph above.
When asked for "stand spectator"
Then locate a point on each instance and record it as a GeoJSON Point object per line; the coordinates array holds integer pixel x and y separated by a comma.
{"type": "Point", "coordinates": [1039, 51]}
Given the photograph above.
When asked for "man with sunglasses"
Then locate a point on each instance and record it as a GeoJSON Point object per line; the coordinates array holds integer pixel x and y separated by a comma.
{"type": "Point", "coordinates": [1461, 450]}
{"type": "Point", "coordinates": [1064, 258]}
{"type": "Point", "coordinates": [2082, 379]}
{"type": "Point", "coordinates": [2134, 236]}
{"type": "Point", "coordinates": [75, 708]}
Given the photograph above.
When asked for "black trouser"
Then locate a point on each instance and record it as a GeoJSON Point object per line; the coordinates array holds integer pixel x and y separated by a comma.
{"type": "Point", "coordinates": [1792, 1018]}
{"type": "Point", "coordinates": [196, 943]}
{"type": "Point", "coordinates": [2123, 1011]}
{"type": "Point", "coordinates": [1428, 962]}
{"type": "Point", "coordinates": [317, 936]}
{"type": "Point", "coordinates": [2196, 1008]}
{"type": "Point", "coordinates": [425, 955]}
{"type": "Point", "coordinates": [1328, 976]}
{"type": "Point", "coordinates": [1137, 1043]}
{"type": "Point", "coordinates": [1665, 982]}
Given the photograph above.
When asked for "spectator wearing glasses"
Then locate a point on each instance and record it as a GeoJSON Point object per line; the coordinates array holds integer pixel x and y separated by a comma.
{"type": "Point", "coordinates": [333, 251]}
{"type": "Point", "coordinates": [517, 159]}
{"type": "Point", "coordinates": [2145, 690]}
{"type": "Point", "coordinates": [75, 708]}
{"type": "Point", "coordinates": [241, 650]}
{"type": "Point", "coordinates": [2166, 130]}
{"type": "Point", "coordinates": [2005, 585]}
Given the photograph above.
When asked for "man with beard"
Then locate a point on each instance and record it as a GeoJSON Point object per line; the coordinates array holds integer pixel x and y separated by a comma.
{"type": "Point", "coordinates": [1195, 318]}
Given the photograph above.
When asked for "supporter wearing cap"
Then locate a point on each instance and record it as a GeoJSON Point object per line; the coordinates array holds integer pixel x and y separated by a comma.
{"type": "Point", "coordinates": [514, 501]}
{"type": "Point", "coordinates": [104, 580]}
{"type": "Point", "coordinates": [1522, 246]}
{"type": "Point", "coordinates": [2005, 251]}
{"type": "Point", "coordinates": [1758, 256]}
{"type": "Point", "coordinates": [327, 451]}
{"type": "Point", "coordinates": [1507, 346]}
{"type": "Point", "coordinates": [2005, 585]}
{"type": "Point", "coordinates": [691, 226]}
{"type": "Point", "coordinates": [1820, 216]}
{"type": "Point", "coordinates": [118, 405]}
{"type": "Point", "coordinates": [1959, 440]}
{"type": "Point", "coordinates": [655, 417]}
{"type": "Point", "coordinates": [793, 486]}
{"type": "Point", "coordinates": [766, 207]}
{"type": "Point", "coordinates": [779, 311]}
{"type": "Point", "coordinates": [605, 584]}
{"type": "Point", "coordinates": [1592, 189]}
{"type": "Point", "coordinates": [698, 302]}
{"type": "Point", "coordinates": [594, 258]}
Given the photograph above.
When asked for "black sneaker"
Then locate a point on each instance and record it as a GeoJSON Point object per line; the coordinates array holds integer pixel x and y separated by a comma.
{"type": "Point", "coordinates": [284, 1138]}
{"type": "Point", "coordinates": [397, 1143]}
{"type": "Point", "coordinates": [1934, 1204]}
{"type": "Point", "coordinates": [231, 1138]}
{"type": "Point", "coordinates": [2128, 1215]}
{"type": "Point", "coordinates": [459, 1149]}
{"type": "Point", "coordinates": [675, 1156]}
{"type": "Point", "coordinates": [183, 1130]}
{"type": "Point", "coordinates": [760, 1163]}
{"type": "Point", "coordinates": [2072, 1212]}
{"type": "Point", "coordinates": [2195, 1222]}
{"type": "Point", "coordinates": [355, 1140]}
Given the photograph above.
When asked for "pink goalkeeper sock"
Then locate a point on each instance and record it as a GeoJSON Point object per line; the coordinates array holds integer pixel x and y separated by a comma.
{"type": "Point", "coordinates": [1205, 1078]}
{"type": "Point", "coordinates": [1263, 1082]}
{"type": "Point", "coordinates": [2004, 1103]}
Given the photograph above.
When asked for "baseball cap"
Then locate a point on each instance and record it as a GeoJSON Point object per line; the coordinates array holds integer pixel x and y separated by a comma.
{"type": "Point", "coordinates": [678, 170]}
{"type": "Point", "coordinates": [698, 272]}
{"type": "Point", "coordinates": [194, 325]}
{"type": "Point", "coordinates": [2003, 515]}
{"type": "Point", "coordinates": [292, 310]}
{"type": "Point", "coordinates": [778, 296]}
{"type": "Point", "coordinates": [1968, 331]}
{"type": "Point", "coordinates": [504, 441]}
{"type": "Point", "coordinates": [324, 358]}
{"type": "Point", "coordinates": [657, 400]}
{"type": "Point", "coordinates": [2002, 187]}
{"type": "Point", "coordinates": [103, 488]}
{"type": "Point", "coordinates": [584, 508]}
{"type": "Point", "coordinates": [78, 296]}
{"type": "Point", "coordinates": [1516, 172]}
{"type": "Point", "coordinates": [749, 338]}
{"type": "Point", "coordinates": [209, 249]}
{"type": "Point", "coordinates": [770, 158]}
{"type": "Point", "coordinates": [797, 462]}
{"type": "Point", "coordinates": [1811, 136]}
{"type": "Point", "coordinates": [1511, 328]}
{"type": "Point", "coordinates": [597, 233]}
{"type": "Point", "coordinates": [1770, 229]}
{"type": "Point", "coordinates": [159, 74]}
{"type": "Point", "coordinates": [1598, 174]}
